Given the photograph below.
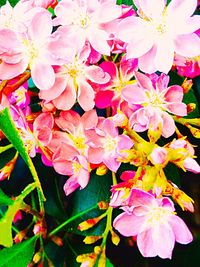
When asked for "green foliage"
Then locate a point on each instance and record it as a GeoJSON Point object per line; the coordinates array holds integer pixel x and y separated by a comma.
{"type": "Point", "coordinates": [97, 190]}
{"type": "Point", "coordinates": [4, 199]}
{"type": "Point", "coordinates": [12, 2]}
{"type": "Point", "coordinates": [19, 255]}
{"type": "Point", "coordinates": [6, 223]}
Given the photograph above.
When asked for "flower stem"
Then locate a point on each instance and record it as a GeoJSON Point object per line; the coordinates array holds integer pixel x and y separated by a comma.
{"type": "Point", "coordinates": [57, 229]}
{"type": "Point", "coordinates": [5, 148]}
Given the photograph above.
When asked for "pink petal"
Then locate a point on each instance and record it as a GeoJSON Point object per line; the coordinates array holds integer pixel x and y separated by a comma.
{"type": "Point", "coordinates": [9, 71]}
{"type": "Point", "coordinates": [38, 32]}
{"type": "Point", "coordinates": [96, 75]}
{"type": "Point", "coordinates": [146, 62]}
{"type": "Point", "coordinates": [89, 119]}
{"type": "Point", "coordinates": [63, 167]}
{"type": "Point", "coordinates": [103, 98]}
{"type": "Point", "coordinates": [71, 185]}
{"type": "Point", "coordinates": [109, 128]}
{"type": "Point", "coordinates": [98, 40]}
{"type": "Point", "coordinates": [127, 175]}
{"type": "Point", "coordinates": [83, 178]}
{"type": "Point", "coordinates": [86, 96]}
{"type": "Point", "coordinates": [168, 127]}
{"type": "Point", "coordinates": [68, 120]}
{"type": "Point", "coordinates": [145, 244]}
{"type": "Point", "coordinates": [110, 68]}
{"type": "Point", "coordinates": [174, 93]}
{"type": "Point", "coordinates": [191, 165]}
{"type": "Point", "coordinates": [141, 198]}
{"type": "Point", "coordinates": [139, 47]}
{"type": "Point", "coordinates": [179, 109]}
{"type": "Point", "coordinates": [187, 45]}
{"type": "Point", "coordinates": [164, 55]}
{"type": "Point", "coordinates": [163, 240]}
{"type": "Point", "coordinates": [111, 163]}
{"type": "Point", "coordinates": [180, 229]}
{"type": "Point", "coordinates": [153, 8]}
{"type": "Point", "coordinates": [95, 155]}
{"type": "Point", "coordinates": [108, 12]}
{"type": "Point", "coordinates": [44, 119]}
{"type": "Point", "coordinates": [144, 81]}
{"type": "Point", "coordinates": [182, 8]}
{"type": "Point", "coordinates": [133, 222]}
{"type": "Point", "coordinates": [56, 90]}
{"type": "Point", "coordinates": [134, 94]}
{"type": "Point", "coordinates": [68, 97]}
{"type": "Point", "coordinates": [43, 75]}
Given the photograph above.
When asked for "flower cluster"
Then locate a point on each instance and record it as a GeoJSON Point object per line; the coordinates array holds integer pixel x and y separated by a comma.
{"type": "Point", "coordinates": [100, 76]}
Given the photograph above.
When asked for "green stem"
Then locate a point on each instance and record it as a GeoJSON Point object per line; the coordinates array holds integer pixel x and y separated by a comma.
{"type": "Point", "coordinates": [114, 178]}
{"type": "Point", "coordinates": [5, 148]}
{"type": "Point", "coordinates": [108, 226]}
{"type": "Point", "coordinates": [134, 136]}
{"type": "Point", "coordinates": [115, 58]}
{"type": "Point", "coordinates": [183, 121]}
{"type": "Point", "coordinates": [57, 229]}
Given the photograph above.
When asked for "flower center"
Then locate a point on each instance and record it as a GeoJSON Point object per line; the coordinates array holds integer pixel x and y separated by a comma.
{"type": "Point", "coordinates": [32, 51]}
{"type": "Point", "coordinates": [157, 215]}
{"type": "Point", "coordinates": [74, 69]}
{"type": "Point", "coordinates": [76, 167]}
{"type": "Point", "coordinates": [110, 144]}
{"type": "Point", "coordinates": [156, 99]}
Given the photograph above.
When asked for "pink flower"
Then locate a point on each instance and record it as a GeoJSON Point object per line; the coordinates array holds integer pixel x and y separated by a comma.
{"type": "Point", "coordinates": [189, 67]}
{"type": "Point", "coordinates": [186, 154]}
{"type": "Point", "coordinates": [79, 131]}
{"type": "Point", "coordinates": [107, 147]}
{"type": "Point", "coordinates": [159, 31]}
{"type": "Point", "coordinates": [85, 21]}
{"type": "Point", "coordinates": [154, 223]}
{"type": "Point", "coordinates": [109, 94]}
{"type": "Point", "coordinates": [68, 161]}
{"type": "Point", "coordinates": [72, 82]}
{"type": "Point", "coordinates": [154, 101]}
{"type": "Point", "coordinates": [29, 50]}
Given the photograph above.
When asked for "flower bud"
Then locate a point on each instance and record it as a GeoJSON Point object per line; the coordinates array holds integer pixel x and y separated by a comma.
{"type": "Point", "coordinates": [91, 239]}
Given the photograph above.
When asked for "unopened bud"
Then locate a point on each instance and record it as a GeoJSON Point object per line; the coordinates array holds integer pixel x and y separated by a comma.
{"type": "Point", "coordinates": [187, 85]}
{"type": "Point", "coordinates": [57, 240]}
{"type": "Point", "coordinates": [191, 107]}
{"type": "Point", "coordinates": [88, 223]}
{"type": "Point", "coordinates": [37, 257]}
{"type": "Point", "coordinates": [194, 131]}
{"type": "Point", "coordinates": [103, 205]}
{"type": "Point", "coordinates": [115, 238]}
{"type": "Point", "coordinates": [20, 236]}
{"type": "Point", "coordinates": [40, 228]}
{"type": "Point", "coordinates": [91, 239]}
{"type": "Point", "coordinates": [184, 201]}
{"type": "Point", "coordinates": [6, 171]}
{"type": "Point", "coordinates": [102, 259]}
{"type": "Point", "coordinates": [101, 170]}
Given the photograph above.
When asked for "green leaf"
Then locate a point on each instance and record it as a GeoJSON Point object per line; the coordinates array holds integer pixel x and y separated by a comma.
{"type": "Point", "coordinates": [13, 2]}
{"type": "Point", "coordinates": [19, 255]}
{"type": "Point", "coordinates": [6, 223]}
{"type": "Point", "coordinates": [4, 199]}
{"type": "Point", "coordinates": [97, 190]}
{"type": "Point", "coordinates": [9, 129]}
{"type": "Point", "coordinates": [2, 2]}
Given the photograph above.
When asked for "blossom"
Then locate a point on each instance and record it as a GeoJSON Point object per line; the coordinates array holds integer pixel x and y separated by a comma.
{"type": "Point", "coordinates": [154, 100]}
{"type": "Point", "coordinates": [86, 20]}
{"type": "Point", "coordinates": [155, 224]}
{"type": "Point", "coordinates": [72, 82]}
{"type": "Point", "coordinates": [29, 50]}
{"type": "Point", "coordinates": [158, 31]}
{"type": "Point", "coordinates": [109, 94]}
{"type": "Point", "coordinates": [68, 161]}
{"type": "Point", "coordinates": [79, 131]}
{"type": "Point", "coordinates": [108, 146]}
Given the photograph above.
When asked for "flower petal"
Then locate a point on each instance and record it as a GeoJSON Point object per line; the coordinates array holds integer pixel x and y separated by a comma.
{"type": "Point", "coordinates": [187, 45]}
{"type": "Point", "coordinates": [180, 229]}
